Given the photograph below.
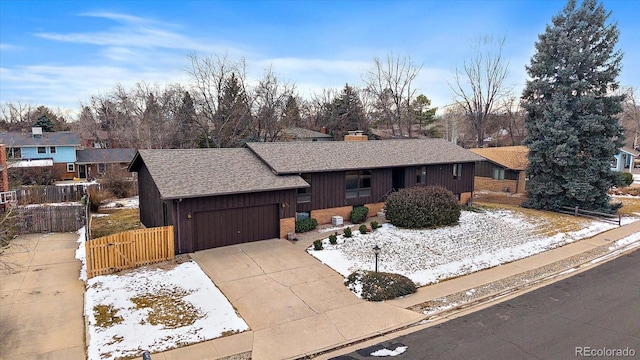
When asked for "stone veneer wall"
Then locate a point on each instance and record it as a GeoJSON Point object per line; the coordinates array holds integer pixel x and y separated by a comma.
{"type": "Point", "coordinates": [287, 225]}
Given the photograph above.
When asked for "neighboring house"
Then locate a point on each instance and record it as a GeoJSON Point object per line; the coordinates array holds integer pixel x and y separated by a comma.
{"type": "Point", "coordinates": [98, 140]}
{"type": "Point", "coordinates": [38, 148]}
{"type": "Point", "coordinates": [93, 163]}
{"type": "Point", "coordinates": [218, 197]}
{"type": "Point", "coordinates": [624, 159]}
{"type": "Point", "coordinates": [300, 134]}
{"type": "Point", "coordinates": [503, 169]}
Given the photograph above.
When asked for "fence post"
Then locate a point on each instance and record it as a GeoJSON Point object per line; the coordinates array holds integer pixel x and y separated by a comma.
{"type": "Point", "coordinates": [575, 211]}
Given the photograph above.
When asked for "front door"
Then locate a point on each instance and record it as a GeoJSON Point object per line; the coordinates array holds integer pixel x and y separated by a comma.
{"type": "Point", "coordinates": [82, 171]}
{"type": "Point", "coordinates": [397, 178]}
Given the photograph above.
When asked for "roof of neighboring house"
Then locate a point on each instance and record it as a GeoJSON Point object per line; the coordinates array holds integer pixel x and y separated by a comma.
{"type": "Point", "coordinates": [103, 156]}
{"type": "Point", "coordinates": [511, 157]}
{"type": "Point", "coordinates": [629, 151]}
{"type": "Point", "coordinates": [58, 138]}
{"type": "Point", "coordinates": [323, 156]}
{"type": "Point", "coordinates": [301, 133]}
{"type": "Point", "coordinates": [187, 173]}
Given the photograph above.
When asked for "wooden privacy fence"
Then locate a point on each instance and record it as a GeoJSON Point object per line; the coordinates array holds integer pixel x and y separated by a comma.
{"type": "Point", "coordinates": [42, 194]}
{"type": "Point", "coordinates": [129, 249]}
{"type": "Point", "coordinates": [37, 219]}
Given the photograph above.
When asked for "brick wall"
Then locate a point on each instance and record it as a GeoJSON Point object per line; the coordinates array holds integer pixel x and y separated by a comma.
{"type": "Point", "coordinates": [287, 225]}
{"type": "Point", "coordinates": [324, 215]}
{"type": "Point", "coordinates": [465, 197]}
{"type": "Point", "coordinates": [374, 208]}
{"type": "Point", "coordinates": [483, 183]}
{"type": "Point", "coordinates": [4, 182]}
{"type": "Point", "coordinates": [356, 138]}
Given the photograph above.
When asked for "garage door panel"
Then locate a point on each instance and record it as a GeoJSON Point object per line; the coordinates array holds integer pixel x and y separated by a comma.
{"type": "Point", "coordinates": [234, 226]}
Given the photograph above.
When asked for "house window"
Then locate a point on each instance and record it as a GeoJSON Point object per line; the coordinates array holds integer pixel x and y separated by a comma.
{"type": "Point", "coordinates": [421, 175]}
{"type": "Point", "coordinates": [498, 174]}
{"type": "Point", "coordinates": [42, 150]}
{"type": "Point", "coordinates": [13, 153]}
{"type": "Point", "coordinates": [71, 167]}
{"type": "Point", "coordinates": [457, 171]}
{"type": "Point", "coordinates": [358, 183]}
{"type": "Point", "coordinates": [304, 194]}
{"type": "Point", "coordinates": [52, 149]}
{"type": "Point", "coordinates": [102, 168]}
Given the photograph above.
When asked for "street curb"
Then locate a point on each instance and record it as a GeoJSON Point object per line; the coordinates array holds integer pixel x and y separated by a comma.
{"type": "Point", "coordinates": [440, 315]}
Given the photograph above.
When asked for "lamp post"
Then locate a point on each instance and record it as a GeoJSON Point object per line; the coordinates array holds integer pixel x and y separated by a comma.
{"type": "Point", "coordinates": [376, 251]}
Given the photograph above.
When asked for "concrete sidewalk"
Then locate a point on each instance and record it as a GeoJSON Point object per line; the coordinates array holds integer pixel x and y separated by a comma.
{"type": "Point", "coordinates": [276, 336]}
{"type": "Point", "coordinates": [41, 299]}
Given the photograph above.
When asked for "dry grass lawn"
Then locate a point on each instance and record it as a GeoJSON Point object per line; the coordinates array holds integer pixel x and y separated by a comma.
{"type": "Point", "coordinates": [118, 220]}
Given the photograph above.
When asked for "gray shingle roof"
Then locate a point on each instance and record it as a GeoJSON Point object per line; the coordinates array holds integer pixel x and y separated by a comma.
{"type": "Point", "coordinates": [104, 156]}
{"type": "Point", "coordinates": [59, 138]}
{"type": "Point", "coordinates": [304, 157]}
{"type": "Point", "coordinates": [186, 173]}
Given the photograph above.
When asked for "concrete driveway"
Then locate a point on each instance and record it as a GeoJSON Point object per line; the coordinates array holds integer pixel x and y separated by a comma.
{"type": "Point", "coordinates": [41, 299]}
{"type": "Point", "coordinates": [293, 303]}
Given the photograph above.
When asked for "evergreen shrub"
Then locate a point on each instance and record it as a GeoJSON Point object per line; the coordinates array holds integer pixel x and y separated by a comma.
{"type": "Point", "coordinates": [422, 207]}
{"type": "Point", "coordinates": [359, 214]}
{"type": "Point", "coordinates": [363, 229]}
{"type": "Point", "coordinates": [306, 224]}
{"type": "Point", "coordinates": [317, 245]}
{"type": "Point", "coordinates": [333, 239]}
{"type": "Point", "coordinates": [347, 232]}
{"type": "Point", "coordinates": [380, 286]}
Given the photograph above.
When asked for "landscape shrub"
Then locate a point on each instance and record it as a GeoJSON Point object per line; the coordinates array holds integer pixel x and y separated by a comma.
{"type": "Point", "coordinates": [363, 229]}
{"type": "Point", "coordinates": [96, 197]}
{"type": "Point", "coordinates": [380, 286]}
{"type": "Point", "coordinates": [627, 178]}
{"type": "Point", "coordinates": [374, 225]}
{"type": "Point", "coordinates": [317, 245]}
{"type": "Point", "coordinates": [347, 232]}
{"type": "Point", "coordinates": [422, 207]}
{"type": "Point", "coordinates": [333, 239]}
{"type": "Point", "coordinates": [306, 224]}
{"type": "Point", "coordinates": [359, 214]}
{"type": "Point", "coordinates": [117, 182]}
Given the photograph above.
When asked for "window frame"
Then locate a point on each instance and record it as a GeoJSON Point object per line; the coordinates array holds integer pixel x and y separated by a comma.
{"type": "Point", "coordinates": [421, 175]}
{"type": "Point", "coordinates": [52, 149]}
{"type": "Point", "coordinates": [498, 173]}
{"type": "Point", "coordinates": [362, 184]}
{"type": "Point", "coordinates": [71, 167]}
{"type": "Point", "coordinates": [457, 171]}
{"type": "Point", "coordinates": [304, 194]}
{"type": "Point", "coordinates": [41, 150]}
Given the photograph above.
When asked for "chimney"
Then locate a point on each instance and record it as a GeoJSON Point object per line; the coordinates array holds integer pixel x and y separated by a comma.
{"type": "Point", "coordinates": [357, 135]}
{"type": "Point", "coordinates": [323, 129]}
{"type": "Point", "coordinates": [4, 183]}
{"type": "Point", "coordinates": [36, 132]}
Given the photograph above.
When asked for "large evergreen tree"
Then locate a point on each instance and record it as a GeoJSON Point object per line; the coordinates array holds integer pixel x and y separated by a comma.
{"type": "Point", "coordinates": [572, 128]}
{"type": "Point", "coordinates": [347, 114]}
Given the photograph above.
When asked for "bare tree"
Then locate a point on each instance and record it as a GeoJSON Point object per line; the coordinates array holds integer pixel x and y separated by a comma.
{"type": "Point", "coordinates": [390, 84]}
{"type": "Point", "coordinates": [630, 116]}
{"type": "Point", "coordinates": [270, 99]}
{"type": "Point", "coordinates": [212, 80]}
{"type": "Point", "coordinates": [479, 86]}
{"type": "Point", "coordinates": [514, 119]}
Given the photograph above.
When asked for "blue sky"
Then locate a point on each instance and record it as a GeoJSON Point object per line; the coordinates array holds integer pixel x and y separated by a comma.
{"type": "Point", "coordinates": [60, 53]}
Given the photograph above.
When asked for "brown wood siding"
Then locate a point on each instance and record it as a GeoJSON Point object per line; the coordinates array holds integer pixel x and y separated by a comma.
{"type": "Point", "coordinates": [485, 169]}
{"type": "Point", "coordinates": [285, 200]}
{"type": "Point", "coordinates": [151, 206]}
{"type": "Point", "coordinates": [235, 226]}
{"type": "Point", "coordinates": [442, 175]}
{"type": "Point", "coordinates": [328, 190]}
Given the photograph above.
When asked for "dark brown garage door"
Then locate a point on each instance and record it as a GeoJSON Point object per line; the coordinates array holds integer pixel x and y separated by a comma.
{"type": "Point", "coordinates": [234, 226]}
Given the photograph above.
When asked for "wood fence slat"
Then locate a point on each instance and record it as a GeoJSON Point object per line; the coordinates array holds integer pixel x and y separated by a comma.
{"type": "Point", "coordinates": [129, 249]}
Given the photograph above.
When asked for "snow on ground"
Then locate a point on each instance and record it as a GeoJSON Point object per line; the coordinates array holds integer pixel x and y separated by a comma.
{"type": "Point", "coordinates": [636, 178]}
{"type": "Point", "coordinates": [126, 203]}
{"type": "Point", "coordinates": [479, 241]}
{"type": "Point", "coordinates": [136, 308]}
{"type": "Point", "coordinates": [386, 352]}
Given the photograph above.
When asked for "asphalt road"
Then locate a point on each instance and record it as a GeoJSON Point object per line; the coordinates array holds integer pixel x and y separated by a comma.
{"type": "Point", "coordinates": [594, 313]}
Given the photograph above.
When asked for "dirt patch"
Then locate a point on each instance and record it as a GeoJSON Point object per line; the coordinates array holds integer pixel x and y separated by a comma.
{"type": "Point", "coordinates": [115, 221]}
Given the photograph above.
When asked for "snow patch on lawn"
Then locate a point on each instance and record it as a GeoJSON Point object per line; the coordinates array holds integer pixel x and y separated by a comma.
{"type": "Point", "coordinates": [196, 311]}
{"type": "Point", "coordinates": [479, 241]}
